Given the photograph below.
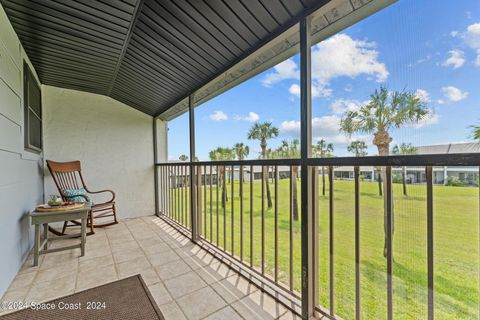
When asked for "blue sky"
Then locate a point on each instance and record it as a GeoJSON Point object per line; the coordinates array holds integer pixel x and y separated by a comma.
{"type": "Point", "coordinates": [429, 47]}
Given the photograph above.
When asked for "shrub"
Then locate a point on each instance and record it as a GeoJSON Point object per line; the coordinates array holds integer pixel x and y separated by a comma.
{"type": "Point", "coordinates": [454, 182]}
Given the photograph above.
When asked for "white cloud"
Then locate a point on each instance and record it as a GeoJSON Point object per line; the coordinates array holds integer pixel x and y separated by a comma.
{"type": "Point", "coordinates": [441, 101]}
{"type": "Point", "coordinates": [218, 116]}
{"type": "Point", "coordinates": [453, 94]}
{"type": "Point", "coordinates": [295, 90]}
{"type": "Point", "coordinates": [338, 56]}
{"type": "Point", "coordinates": [251, 117]}
{"type": "Point", "coordinates": [454, 33]}
{"type": "Point", "coordinates": [472, 39]}
{"type": "Point", "coordinates": [456, 59]}
{"type": "Point", "coordinates": [423, 95]}
{"type": "Point", "coordinates": [340, 106]}
{"type": "Point", "coordinates": [287, 69]}
{"type": "Point", "coordinates": [325, 127]}
{"type": "Point", "coordinates": [431, 118]}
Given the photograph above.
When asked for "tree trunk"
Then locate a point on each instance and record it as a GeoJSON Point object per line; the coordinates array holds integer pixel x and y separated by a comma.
{"type": "Point", "coordinates": [383, 150]}
{"type": "Point", "coordinates": [295, 193]}
{"type": "Point", "coordinates": [269, 197]}
{"type": "Point", "coordinates": [323, 180]}
{"type": "Point", "coordinates": [224, 186]}
{"type": "Point", "coordinates": [379, 178]}
{"type": "Point", "coordinates": [404, 180]}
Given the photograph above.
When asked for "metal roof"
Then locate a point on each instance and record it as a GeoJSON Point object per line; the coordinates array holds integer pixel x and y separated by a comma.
{"type": "Point", "coordinates": [149, 54]}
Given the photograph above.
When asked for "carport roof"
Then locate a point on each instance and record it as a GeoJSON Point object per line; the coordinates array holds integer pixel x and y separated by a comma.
{"type": "Point", "coordinates": [150, 54]}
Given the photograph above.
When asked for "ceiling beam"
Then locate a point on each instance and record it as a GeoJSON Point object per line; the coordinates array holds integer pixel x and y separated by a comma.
{"type": "Point", "coordinates": [131, 27]}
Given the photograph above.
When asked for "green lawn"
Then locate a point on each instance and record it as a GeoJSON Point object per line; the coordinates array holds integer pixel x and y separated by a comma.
{"type": "Point", "coordinates": [456, 241]}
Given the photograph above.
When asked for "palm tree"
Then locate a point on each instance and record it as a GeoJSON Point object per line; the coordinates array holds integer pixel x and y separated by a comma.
{"type": "Point", "coordinates": [404, 149]}
{"type": "Point", "coordinates": [385, 111]}
{"type": "Point", "coordinates": [222, 154]}
{"type": "Point", "coordinates": [183, 158]}
{"type": "Point", "coordinates": [241, 151]}
{"type": "Point", "coordinates": [358, 148]}
{"type": "Point", "coordinates": [323, 150]}
{"type": "Point", "coordinates": [476, 132]}
{"type": "Point", "coordinates": [263, 132]}
{"type": "Point", "coordinates": [291, 151]}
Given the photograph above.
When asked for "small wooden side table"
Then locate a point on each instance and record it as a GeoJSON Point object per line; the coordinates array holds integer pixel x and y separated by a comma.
{"type": "Point", "coordinates": [44, 218]}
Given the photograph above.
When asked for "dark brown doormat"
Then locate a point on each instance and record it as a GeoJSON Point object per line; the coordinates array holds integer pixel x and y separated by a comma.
{"type": "Point", "coordinates": [128, 298]}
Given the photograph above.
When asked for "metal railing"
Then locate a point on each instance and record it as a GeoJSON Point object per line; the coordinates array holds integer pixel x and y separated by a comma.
{"type": "Point", "coordinates": [235, 219]}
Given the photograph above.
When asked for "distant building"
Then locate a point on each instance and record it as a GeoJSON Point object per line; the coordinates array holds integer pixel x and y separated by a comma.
{"type": "Point", "coordinates": [467, 175]}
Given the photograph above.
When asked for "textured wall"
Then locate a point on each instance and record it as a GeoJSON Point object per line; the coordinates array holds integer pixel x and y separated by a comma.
{"type": "Point", "coordinates": [21, 178]}
{"type": "Point", "coordinates": [114, 142]}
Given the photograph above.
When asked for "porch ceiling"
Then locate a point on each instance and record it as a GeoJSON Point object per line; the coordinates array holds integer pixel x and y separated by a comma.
{"type": "Point", "coordinates": [145, 53]}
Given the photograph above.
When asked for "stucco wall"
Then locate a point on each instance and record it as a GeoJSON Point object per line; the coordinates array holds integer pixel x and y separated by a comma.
{"type": "Point", "coordinates": [114, 143]}
{"type": "Point", "coordinates": [21, 174]}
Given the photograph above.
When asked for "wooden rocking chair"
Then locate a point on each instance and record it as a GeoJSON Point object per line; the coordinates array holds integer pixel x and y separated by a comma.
{"type": "Point", "coordinates": [68, 176]}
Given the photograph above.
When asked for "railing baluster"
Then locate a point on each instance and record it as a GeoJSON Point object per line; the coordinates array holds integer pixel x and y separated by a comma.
{"type": "Point", "coordinates": [224, 204]}
{"type": "Point", "coordinates": [430, 261]}
{"type": "Point", "coordinates": [331, 242]}
{"type": "Point", "coordinates": [290, 235]}
{"type": "Point", "coordinates": [205, 201]}
{"type": "Point", "coordinates": [251, 216]}
{"type": "Point", "coordinates": [389, 200]}
{"type": "Point", "coordinates": [175, 185]}
{"type": "Point", "coordinates": [211, 200]}
{"type": "Point", "coordinates": [218, 186]}
{"type": "Point", "coordinates": [232, 178]}
{"type": "Point", "coordinates": [182, 199]}
{"type": "Point", "coordinates": [276, 224]}
{"type": "Point", "coordinates": [263, 219]}
{"type": "Point", "coordinates": [241, 211]}
{"type": "Point", "coordinates": [357, 243]}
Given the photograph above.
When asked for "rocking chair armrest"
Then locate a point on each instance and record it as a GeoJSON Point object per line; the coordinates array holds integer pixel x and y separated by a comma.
{"type": "Point", "coordinates": [102, 191]}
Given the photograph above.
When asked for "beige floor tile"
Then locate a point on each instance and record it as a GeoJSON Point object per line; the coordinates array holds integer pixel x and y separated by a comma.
{"type": "Point", "coordinates": [160, 293]}
{"type": "Point", "coordinates": [144, 234]}
{"type": "Point", "coordinates": [53, 260]}
{"type": "Point", "coordinates": [234, 288]}
{"type": "Point", "coordinates": [259, 305]}
{"type": "Point", "coordinates": [289, 315]}
{"type": "Point", "coordinates": [90, 279]}
{"type": "Point", "coordinates": [172, 269]}
{"type": "Point", "coordinates": [92, 264]}
{"type": "Point", "coordinates": [156, 248]}
{"type": "Point", "coordinates": [152, 241]}
{"type": "Point", "coordinates": [224, 314]}
{"type": "Point", "coordinates": [201, 303]}
{"type": "Point", "coordinates": [149, 276]}
{"type": "Point", "coordinates": [121, 246]}
{"type": "Point", "coordinates": [171, 311]}
{"type": "Point", "coordinates": [45, 291]}
{"type": "Point", "coordinates": [200, 260]}
{"type": "Point", "coordinates": [177, 272]}
{"type": "Point", "coordinates": [127, 254]}
{"type": "Point", "coordinates": [161, 258]}
{"type": "Point", "coordinates": [97, 252]}
{"type": "Point", "coordinates": [184, 284]}
{"type": "Point", "coordinates": [57, 271]}
{"type": "Point", "coordinates": [23, 280]}
{"type": "Point", "coordinates": [120, 238]}
{"type": "Point", "coordinates": [132, 267]}
{"type": "Point", "coordinates": [13, 295]}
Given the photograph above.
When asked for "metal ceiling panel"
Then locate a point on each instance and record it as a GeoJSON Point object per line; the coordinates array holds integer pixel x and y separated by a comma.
{"type": "Point", "coordinates": [148, 54]}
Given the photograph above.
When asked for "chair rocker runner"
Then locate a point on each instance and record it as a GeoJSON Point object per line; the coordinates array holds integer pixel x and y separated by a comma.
{"type": "Point", "coordinates": [71, 185]}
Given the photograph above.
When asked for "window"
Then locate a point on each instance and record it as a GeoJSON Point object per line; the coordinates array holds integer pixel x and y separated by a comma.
{"type": "Point", "coordinates": [32, 111]}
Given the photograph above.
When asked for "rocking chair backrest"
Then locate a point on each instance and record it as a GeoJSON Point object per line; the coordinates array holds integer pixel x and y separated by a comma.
{"type": "Point", "coordinates": [66, 175]}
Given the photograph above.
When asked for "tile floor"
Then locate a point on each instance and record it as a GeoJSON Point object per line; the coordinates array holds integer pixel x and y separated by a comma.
{"type": "Point", "coordinates": [186, 281]}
